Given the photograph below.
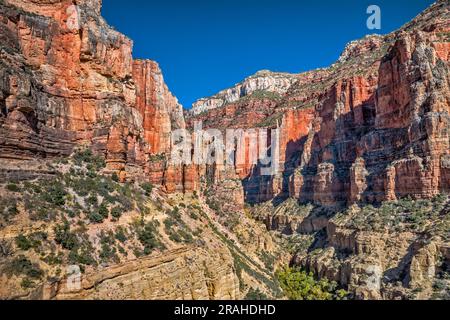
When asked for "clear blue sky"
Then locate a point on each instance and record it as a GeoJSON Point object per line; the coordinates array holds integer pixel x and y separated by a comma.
{"type": "Point", "coordinates": [204, 46]}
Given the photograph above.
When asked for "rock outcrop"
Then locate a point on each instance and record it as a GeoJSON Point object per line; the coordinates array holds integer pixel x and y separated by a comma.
{"type": "Point", "coordinates": [182, 274]}
{"type": "Point", "coordinates": [277, 83]}
{"type": "Point", "coordinates": [68, 79]}
{"type": "Point", "coordinates": [372, 127]}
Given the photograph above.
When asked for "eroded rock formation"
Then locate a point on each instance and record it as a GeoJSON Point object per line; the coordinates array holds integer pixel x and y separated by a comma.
{"type": "Point", "coordinates": [372, 127]}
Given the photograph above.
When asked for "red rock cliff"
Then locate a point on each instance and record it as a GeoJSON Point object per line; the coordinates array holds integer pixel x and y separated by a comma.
{"type": "Point", "coordinates": [372, 127]}
{"type": "Point", "coordinates": [68, 79]}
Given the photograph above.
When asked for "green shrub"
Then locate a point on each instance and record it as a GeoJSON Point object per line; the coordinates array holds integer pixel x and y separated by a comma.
{"type": "Point", "coordinates": [23, 243]}
{"type": "Point", "coordinates": [268, 260]}
{"type": "Point", "coordinates": [22, 266]}
{"type": "Point", "coordinates": [299, 285]}
{"type": "Point", "coordinates": [175, 237]}
{"type": "Point", "coordinates": [53, 259]}
{"type": "Point", "coordinates": [65, 238]}
{"type": "Point", "coordinates": [82, 256]}
{"type": "Point", "coordinates": [95, 217]}
{"type": "Point", "coordinates": [87, 157]}
{"type": "Point", "coordinates": [27, 283]}
{"type": "Point", "coordinates": [193, 215]}
{"type": "Point", "coordinates": [255, 295]}
{"type": "Point", "coordinates": [8, 209]}
{"type": "Point", "coordinates": [13, 187]}
{"type": "Point", "coordinates": [103, 211]}
{"type": "Point", "coordinates": [148, 188]}
{"type": "Point", "coordinates": [116, 212]}
{"type": "Point", "coordinates": [108, 250]}
{"type": "Point", "coordinates": [92, 200]}
{"type": "Point", "coordinates": [148, 236]}
{"type": "Point", "coordinates": [115, 177]}
{"type": "Point", "coordinates": [55, 194]}
{"type": "Point", "coordinates": [121, 235]}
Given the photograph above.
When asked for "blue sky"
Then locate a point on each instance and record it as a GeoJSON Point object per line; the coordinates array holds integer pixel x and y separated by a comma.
{"type": "Point", "coordinates": [204, 46]}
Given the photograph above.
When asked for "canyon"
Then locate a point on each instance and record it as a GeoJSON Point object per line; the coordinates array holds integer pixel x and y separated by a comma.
{"type": "Point", "coordinates": [364, 145]}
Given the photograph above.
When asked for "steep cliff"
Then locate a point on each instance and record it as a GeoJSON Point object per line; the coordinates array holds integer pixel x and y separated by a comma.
{"type": "Point", "coordinates": [372, 127]}
{"type": "Point", "coordinates": [68, 79]}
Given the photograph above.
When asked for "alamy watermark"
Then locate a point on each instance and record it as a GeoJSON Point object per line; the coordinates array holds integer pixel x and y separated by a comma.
{"type": "Point", "coordinates": [374, 20]}
{"type": "Point", "coordinates": [239, 147]}
{"type": "Point", "coordinates": [73, 17]}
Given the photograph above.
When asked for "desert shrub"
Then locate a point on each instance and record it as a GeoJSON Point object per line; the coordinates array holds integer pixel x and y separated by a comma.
{"type": "Point", "coordinates": [300, 285]}
{"type": "Point", "coordinates": [23, 243]}
{"type": "Point", "coordinates": [95, 217]}
{"type": "Point", "coordinates": [175, 237]}
{"type": "Point", "coordinates": [8, 209]}
{"type": "Point", "coordinates": [87, 157]}
{"type": "Point", "coordinates": [55, 194]}
{"type": "Point", "coordinates": [255, 295]}
{"type": "Point", "coordinates": [177, 230]}
{"type": "Point", "coordinates": [6, 248]}
{"type": "Point", "coordinates": [32, 188]}
{"type": "Point", "coordinates": [121, 235]}
{"type": "Point", "coordinates": [148, 188]}
{"type": "Point", "coordinates": [27, 283]}
{"type": "Point", "coordinates": [148, 236]}
{"type": "Point", "coordinates": [103, 211]}
{"type": "Point", "coordinates": [22, 266]}
{"type": "Point", "coordinates": [406, 214]}
{"type": "Point", "coordinates": [92, 200]}
{"type": "Point", "coordinates": [82, 256]}
{"type": "Point", "coordinates": [33, 241]}
{"type": "Point", "coordinates": [169, 223]}
{"type": "Point", "coordinates": [13, 187]}
{"type": "Point", "coordinates": [65, 238]}
{"type": "Point", "coordinates": [108, 250]}
{"type": "Point", "coordinates": [174, 214]}
{"type": "Point", "coordinates": [124, 202]}
{"type": "Point", "coordinates": [193, 215]}
{"type": "Point", "coordinates": [53, 259]}
{"type": "Point", "coordinates": [115, 177]}
{"type": "Point", "coordinates": [268, 260]}
{"type": "Point", "coordinates": [116, 212]}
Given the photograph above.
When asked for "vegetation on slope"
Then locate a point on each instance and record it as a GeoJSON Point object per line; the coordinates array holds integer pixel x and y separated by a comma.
{"type": "Point", "coordinates": [300, 285]}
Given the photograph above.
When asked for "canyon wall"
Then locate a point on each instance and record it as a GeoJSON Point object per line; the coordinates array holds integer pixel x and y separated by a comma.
{"type": "Point", "coordinates": [372, 127]}
{"type": "Point", "coordinates": [68, 80]}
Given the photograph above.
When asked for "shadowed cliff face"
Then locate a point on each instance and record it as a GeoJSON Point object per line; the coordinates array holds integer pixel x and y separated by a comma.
{"type": "Point", "coordinates": [372, 127]}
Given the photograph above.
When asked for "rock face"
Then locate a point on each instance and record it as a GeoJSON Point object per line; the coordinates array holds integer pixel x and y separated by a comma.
{"type": "Point", "coordinates": [372, 127]}
{"type": "Point", "coordinates": [160, 110]}
{"type": "Point", "coordinates": [68, 79]}
{"type": "Point", "coordinates": [278, 83]}
{"type": "Point", "coordinates": [182, 274]}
